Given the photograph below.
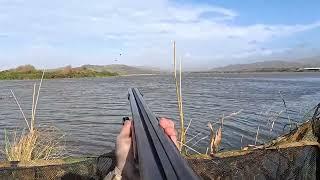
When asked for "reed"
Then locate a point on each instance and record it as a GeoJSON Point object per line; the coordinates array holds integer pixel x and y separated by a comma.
{"type": "Point", "coordinates": [241, 142]}
{"type": "Point", "coordinates": [215, 138]}
{"type": "Point", "coordinates": [37, 142]}
{"type": "Point", "coordinates": [286, 109]}
{"type": "Point", "coordinates": [182, 138]}
{"type": "Point", "coordinates": [257, 135]}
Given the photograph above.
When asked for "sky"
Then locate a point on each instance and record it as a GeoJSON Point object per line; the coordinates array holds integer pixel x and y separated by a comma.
{"type": "Point", "coordinates": [208, 33]}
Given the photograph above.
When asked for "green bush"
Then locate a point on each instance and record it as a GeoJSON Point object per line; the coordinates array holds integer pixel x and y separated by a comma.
{"type": "Point", "coordinates": [29, 72]}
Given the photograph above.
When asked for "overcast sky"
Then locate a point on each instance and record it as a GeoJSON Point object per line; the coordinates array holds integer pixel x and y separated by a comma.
{"type": "Point", "coordinates": [53, 33]}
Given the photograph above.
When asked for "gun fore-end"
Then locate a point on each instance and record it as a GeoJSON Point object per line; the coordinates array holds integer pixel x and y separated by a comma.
{"type": "Point", "coordinates": [156, 154]}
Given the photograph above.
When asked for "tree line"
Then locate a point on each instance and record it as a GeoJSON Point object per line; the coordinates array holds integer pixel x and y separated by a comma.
{"type": "Point", "coordinates": [30, 72]}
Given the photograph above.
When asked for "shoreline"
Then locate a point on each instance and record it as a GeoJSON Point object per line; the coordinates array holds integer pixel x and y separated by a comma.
{"type": "Point", "coordinates": [257, 72]}
{"type": "Point", "coordinates": [93, 77]}
{"type": "Point", "coordinates": [187, 72]}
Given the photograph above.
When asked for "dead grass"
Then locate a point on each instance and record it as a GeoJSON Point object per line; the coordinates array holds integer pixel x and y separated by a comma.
{"type": "Point", "coordinates": [36, 143]}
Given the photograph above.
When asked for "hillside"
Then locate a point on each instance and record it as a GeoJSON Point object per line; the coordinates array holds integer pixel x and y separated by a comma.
{"type": "Point", "coordinates": [122, 69]}
{"type": "Point", "coordinates": [270, 66]}
{"type": "Point", "coordinates": [311, 61]}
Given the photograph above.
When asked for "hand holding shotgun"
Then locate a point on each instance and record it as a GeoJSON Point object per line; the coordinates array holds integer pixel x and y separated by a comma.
{"type": "Point", "coordinates": [145, 150]}
{"type": "Point", "coordinates": [123, 146]}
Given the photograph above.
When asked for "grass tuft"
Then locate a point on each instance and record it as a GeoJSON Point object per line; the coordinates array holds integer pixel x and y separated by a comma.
{"type": "Point", "coordinates": [37, 142]}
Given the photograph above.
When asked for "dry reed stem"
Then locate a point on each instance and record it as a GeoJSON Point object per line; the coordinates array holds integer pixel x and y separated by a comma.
{"type": "Point", "coordinates": [193, 137]}
{"type": "Point", "coordinates": [241, 141]}
{"type": "Point", "coordinates": [285, 106]}
{"type": "Point", "coordinates": [257, 134]}
{"type": "Point", "coordinates": [185, 133]}
{"type": "Point", "coordinates": [233, 114]}
{"type": "Point", "coordinates": [274, 119]}
{"type": "Point", "coordinates": [199, 140]}
{"type": "Point", "coordinates": [215, 138]}
{"type": "Point", "coordinates": [212, 137]}
{"type": "Point", "coordinates": [218, 139]}
{"type": "Point", "coordinates": [33, 99]}
{"type": "Point", "coordinates": [36, 102]}
{"type": "Point", "coordinates": [17, 102]}
{"type": "Point", "coordinates": [183, 137]}
{"type": "Point", "coordinates": [189, 148]}
{"type": "Point", "coordinates": [179, 98]}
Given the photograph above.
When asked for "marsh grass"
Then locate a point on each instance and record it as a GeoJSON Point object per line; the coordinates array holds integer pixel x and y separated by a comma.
{"type": "Point", "coordinates": [215, 139]}
{"type": "Point", "coordinates": [215, 128]}
{"type": "Point", "coordinates": [215, 136]}
{"type": "Point", "coordinates": [33, 143]}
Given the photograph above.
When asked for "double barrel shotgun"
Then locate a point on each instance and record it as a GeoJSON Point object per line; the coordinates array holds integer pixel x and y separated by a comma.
{"type": "Point", "coordinates": [156, 155]}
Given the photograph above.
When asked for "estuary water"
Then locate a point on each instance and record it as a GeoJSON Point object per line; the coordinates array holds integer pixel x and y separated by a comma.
{"type": "Point", "coordinates": [90, 111]}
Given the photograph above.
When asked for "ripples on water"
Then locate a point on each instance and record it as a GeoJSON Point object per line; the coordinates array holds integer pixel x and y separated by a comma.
{"type": "Point", "coordinates": [89, 111]}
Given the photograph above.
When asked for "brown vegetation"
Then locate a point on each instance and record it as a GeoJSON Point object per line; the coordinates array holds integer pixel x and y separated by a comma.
{"type": "Point", "coordinates": [36, 143]}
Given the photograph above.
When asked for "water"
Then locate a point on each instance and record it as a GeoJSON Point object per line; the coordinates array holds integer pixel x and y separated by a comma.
{"type": "Point", "coordinates": [89, 111]}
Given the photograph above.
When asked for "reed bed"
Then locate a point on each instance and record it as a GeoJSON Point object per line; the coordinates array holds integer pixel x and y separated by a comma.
{"type": "Point", "coordinates": [215, 139]}
{"type": "Point", "coordinates": [35, 143]}
{"type": "Point", "coordinates": [215, 129]}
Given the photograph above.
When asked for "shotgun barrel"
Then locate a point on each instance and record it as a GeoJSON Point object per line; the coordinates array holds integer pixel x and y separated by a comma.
{"type": "Point", "coordinates": [157, 156]}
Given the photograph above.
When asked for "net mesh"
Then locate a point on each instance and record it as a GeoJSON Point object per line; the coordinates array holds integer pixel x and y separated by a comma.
{"type": "Point", "coordinates": [292, 156]}
{"type": "Point", "coordinates": [86, 169]}
{"type": "Point", "coordinates": [287, 163]}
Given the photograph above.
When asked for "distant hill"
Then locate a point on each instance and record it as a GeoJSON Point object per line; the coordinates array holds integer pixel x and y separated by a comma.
{"type": "Point", "coordinates": [311, 61]}
{"type": "Point", "coordinates": [122, 69]}
{"type": "Point", "coordinates": [85, 71]}
{"type": "Point", "coordinates": [270, 66]}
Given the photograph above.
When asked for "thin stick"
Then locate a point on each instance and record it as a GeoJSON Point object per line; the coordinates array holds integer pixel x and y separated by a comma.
{"type": "Point", "coordinates": [36, 103]}
{"type": "Point", "coordinates": [33, 100]}
{"type": "Point", "coordinates": [193, 137]}
{"type": "Point", "coordinates": [187, 127]}
{"type": "Point", "coordinates": [285, 106]}
{"type": "Point", "coordinates": [182, 140]}
{"type": "Point", "coordinates": [15, 98]}
{"type": "Point", "coordinates": [233, 114]}
{"type": "Point", "coordinates": [255, 142]}
{"type": "Point", "coordinates": [241, 141]}
{"type": "Point", "coordinates": [222, 119]}
{"type": "Point", "coordinates": [274, 119]}
{"type": "Point", "coordinates": [189, 148]}
{"type": "Point", "coordinates": [199, 140]}
{"type": "Point", "coordinates": [174, 60]}
{"type": "Point", "coordinates": [178, 95]}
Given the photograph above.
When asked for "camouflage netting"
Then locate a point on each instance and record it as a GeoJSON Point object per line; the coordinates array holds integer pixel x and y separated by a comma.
{"type": "Point", "coordinates": [287, 163]}
{"type": "Point", "coordinates": [78, 169]}
{"type": "Point", "coordinates": [292, 156]}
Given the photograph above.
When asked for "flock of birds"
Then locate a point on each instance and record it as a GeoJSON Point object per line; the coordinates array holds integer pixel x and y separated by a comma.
{"type": "Point", "coordinates": [116, 59]}
{"type": "Point", "coordinates": [6, 97]}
